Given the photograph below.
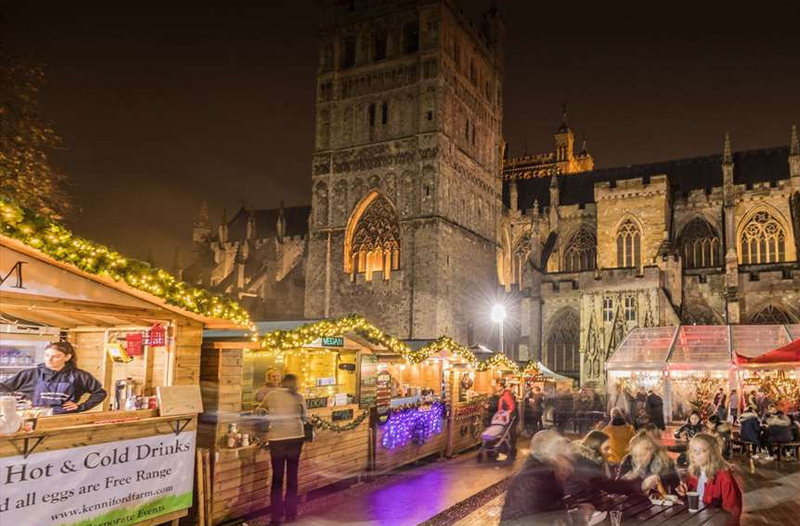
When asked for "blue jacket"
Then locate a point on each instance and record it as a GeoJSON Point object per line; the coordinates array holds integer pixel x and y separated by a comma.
{"type": "Point", "coordinates": [48, 388]}
{"type": "Point", "coordinates": [750, 430]}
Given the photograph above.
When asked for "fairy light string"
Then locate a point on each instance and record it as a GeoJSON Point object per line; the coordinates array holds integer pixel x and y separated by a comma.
{"type": "Point", "coordinates": [59, 243]}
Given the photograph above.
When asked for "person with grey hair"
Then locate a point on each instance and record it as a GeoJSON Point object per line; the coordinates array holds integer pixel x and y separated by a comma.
{"type": "Point", "coordinates": [536, 493]}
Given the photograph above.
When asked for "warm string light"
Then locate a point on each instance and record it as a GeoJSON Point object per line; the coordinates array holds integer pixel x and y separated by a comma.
{"type": "Point", "coordinates": [277, 341]}
{"type": "Point", "coordinates": [59, 243]}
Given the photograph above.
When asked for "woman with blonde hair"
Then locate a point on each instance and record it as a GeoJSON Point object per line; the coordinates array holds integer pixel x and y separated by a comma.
{"type": "Point", "coordinates": [647, 457]}
{"type": "Point", "coordinates": [712, 477]}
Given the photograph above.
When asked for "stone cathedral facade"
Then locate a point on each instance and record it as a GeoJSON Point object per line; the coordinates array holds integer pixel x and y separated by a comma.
{"type": "Point", "coordinates": [593, 254]}
{"type": "Point", "coordinates": [406, 202]}
{"type": "Point", "coordinates": [419, 221]}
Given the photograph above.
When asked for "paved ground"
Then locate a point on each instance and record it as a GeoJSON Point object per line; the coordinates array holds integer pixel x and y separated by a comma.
{"type": "Point", "coordinates": [406, 498]}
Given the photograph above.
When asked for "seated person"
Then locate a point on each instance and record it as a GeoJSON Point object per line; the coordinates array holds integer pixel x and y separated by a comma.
{"type": "Point", "coordinates": [692, 426]}
{"type": "Point", "coordinates": [646, 458]}
{"type": "Point", "coordinates": [620, 433]}
{"type": "Point", "coordinates": [721, 430]}
{"type": "Point", "coordinates": [779, 431]}
{"type": "Point", "coordinates": [750, 430]}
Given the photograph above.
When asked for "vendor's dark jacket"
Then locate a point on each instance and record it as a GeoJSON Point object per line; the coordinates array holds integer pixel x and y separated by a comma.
{"type": "Point", "coordinates": [590, 476]}
{"type": "Point", "coordinates": [534, 497]}
{"type": "Point", "coordinates": [25, 382]}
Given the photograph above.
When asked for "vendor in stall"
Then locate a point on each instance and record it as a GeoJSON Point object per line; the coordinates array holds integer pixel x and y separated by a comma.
{"type": "Point", "coordinates": [57, 383]}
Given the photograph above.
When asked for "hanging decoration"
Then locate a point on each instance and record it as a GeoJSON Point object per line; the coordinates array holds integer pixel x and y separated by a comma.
{"type": "Point", "coordinates": [278, 342]}
{"type": "Point", "coordinates": [412, 425]}
{"type": "Point", "coordinates": [157, 337]}
{"type": "Point", "coordinates": [531, 369]}
{"type": "Point", "coordinates": [117, 353]}
{"type": "Point", "coordinates": [133, 344]}
{"type": "Point", "coordinates": [59, 243]}
{"type": "Point", "coordinates": [327, 425]}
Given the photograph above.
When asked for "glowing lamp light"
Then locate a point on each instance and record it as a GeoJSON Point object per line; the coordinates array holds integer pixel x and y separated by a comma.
{"type": "Point", "coordinates": [498, 313]}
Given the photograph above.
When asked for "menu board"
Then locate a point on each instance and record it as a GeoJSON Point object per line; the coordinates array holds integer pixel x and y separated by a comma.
{"type": "Point", "coordinates": [369, 373]}
{"type": "Point", "coordinates": [384, 396]}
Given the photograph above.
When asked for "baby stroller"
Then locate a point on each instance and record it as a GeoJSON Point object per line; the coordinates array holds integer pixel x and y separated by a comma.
{"type": "Point", "coordinates": [496, 438]}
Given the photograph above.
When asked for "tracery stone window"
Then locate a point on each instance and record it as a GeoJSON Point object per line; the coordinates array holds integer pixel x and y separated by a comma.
{"type": "Point", "coordinates": [770, 315]}
{"type": "Point", "coordinates": [762, 240]}
{"type": "Point", "coordinates": [700, 245]}
{"type": "Point", "coordinates": [580, 253]}
{"type": "Point", "coordinates": [629, 245]}
{"type": "Point", "coordinates": [563, 342]}
{"type": "Point", "coordinates": [373, 238]}
{"type": "Point", "coordinates": [698, 314]}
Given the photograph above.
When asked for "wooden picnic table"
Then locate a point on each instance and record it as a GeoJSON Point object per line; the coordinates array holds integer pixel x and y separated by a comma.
{"type": "Point", "coordinates": [640, 511]}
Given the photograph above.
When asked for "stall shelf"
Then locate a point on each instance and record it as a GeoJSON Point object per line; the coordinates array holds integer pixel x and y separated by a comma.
{"type": "Point", "coordinates": [58, 284]}
{"type": "Point", "coordinates": [234, 367]}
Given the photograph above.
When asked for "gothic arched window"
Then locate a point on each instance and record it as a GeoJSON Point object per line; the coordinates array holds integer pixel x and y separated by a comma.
{"type": "Point", "coordinates": [580, 253]}
{"type": "Point", "coordinates": [700, 245]}
{"type": "Point", "coordinates": [563, 345]}
{"type": "Point", "coordinates": [770, 315]}
{"type": "Point", "coordinates": [762, 240]}
{"type": "Point", "coordinates": [629, 245]}
{"type": "Point", "coordinates": [373, 238]}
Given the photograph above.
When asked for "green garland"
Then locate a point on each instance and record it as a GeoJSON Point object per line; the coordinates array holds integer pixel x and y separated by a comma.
{"type": "Point", "coordinates": [279, 341]}
{"type": "Point", "coordinates": [330, 426]}
{"type": "Point", "coordinates": [59, 243]}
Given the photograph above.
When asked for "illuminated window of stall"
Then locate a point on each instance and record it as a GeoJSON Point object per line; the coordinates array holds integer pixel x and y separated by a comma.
{"type": "Point", "coordinates": [258, 373]}
{"type": "Point", "coordinates": [411, 382]}
{"type": "Point", "coordinates": [322, 373]}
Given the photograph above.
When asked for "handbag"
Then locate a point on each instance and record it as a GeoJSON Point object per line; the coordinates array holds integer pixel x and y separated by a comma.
{"type": "Point", "coordinates": [308, 432]}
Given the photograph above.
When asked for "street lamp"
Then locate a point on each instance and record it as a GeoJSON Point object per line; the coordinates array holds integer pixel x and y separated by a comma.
{"type": "Point", "coordinates": [499, 316]}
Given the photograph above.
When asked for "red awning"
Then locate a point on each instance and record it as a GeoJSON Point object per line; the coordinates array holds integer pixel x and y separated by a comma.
{"type": "Point", "coordinates": [785, 354]}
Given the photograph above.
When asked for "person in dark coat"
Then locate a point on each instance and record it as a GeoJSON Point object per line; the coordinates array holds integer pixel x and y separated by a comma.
{"type": "Point", "coordinates": [655, 410]}
{"type": "Point", "coordinates": [535, 495]}
{"type": "Point", "coordinates": [592, 472]}
{"type": "Point", "coordinates": [57, 383]}
{"type": "Point", "coordinates": [750, 430]}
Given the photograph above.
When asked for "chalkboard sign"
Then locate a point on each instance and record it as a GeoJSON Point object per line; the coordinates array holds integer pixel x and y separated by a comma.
{"type": "Point", "coordinates": [347, 367]}
{"type": "Point", "coordinates": [383, 388]}
{"type": "Point", "coordinates": [316, 403]}
{"type": "Point", "coordinates": [369, 373]}
{"type": "Point", "coordinates": [344, 414]}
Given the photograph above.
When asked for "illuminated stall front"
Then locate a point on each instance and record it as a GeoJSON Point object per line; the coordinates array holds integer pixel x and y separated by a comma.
{"type": "Point", "coordinates": [337, 371]}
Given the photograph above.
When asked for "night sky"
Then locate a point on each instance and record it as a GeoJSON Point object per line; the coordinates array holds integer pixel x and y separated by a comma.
{"type": "Point", "coordinates": [165, 104]}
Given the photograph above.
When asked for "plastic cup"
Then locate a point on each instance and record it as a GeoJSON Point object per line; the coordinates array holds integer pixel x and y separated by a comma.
{"type": "Point", "coordinates": [693, 500]}
{"type": "Point", "coordinates": [616, 517]}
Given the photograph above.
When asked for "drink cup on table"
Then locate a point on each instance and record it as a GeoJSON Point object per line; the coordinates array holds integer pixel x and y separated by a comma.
{"type": "Point", "coordinates": [616, 517]}
{"type": "Point", "coordinates": [693, 500]}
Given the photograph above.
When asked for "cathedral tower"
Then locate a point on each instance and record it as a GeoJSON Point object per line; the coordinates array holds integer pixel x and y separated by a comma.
{"type": "Point", "coordinates": [406, 166]}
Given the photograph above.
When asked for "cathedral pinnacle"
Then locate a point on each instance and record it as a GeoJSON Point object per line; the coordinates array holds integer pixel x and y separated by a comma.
{"type": "Point", "coordinates": [794, 142]}
{"type": "Point", "coordinates": [564, 126]}
{"type": "Point", "coordinates": [727, 156]}
{"type": "Point", "coordinates": [203, 215]}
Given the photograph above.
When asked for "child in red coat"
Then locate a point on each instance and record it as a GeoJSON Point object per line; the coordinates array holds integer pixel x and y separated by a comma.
{"type": "Point", "coordinates": [712, 477]}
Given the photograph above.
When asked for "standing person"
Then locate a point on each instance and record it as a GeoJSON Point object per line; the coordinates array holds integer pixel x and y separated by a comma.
{"type": "Point", "coordinates": [640, 417]}
{"type": "Point", "coordinates": [733, 407]}
{"type": "Point", "coordinates": [507, 402]}
{"type": "Point", "coordinates": [272, 380]}
{"type": "Point", "coordinates": [720, 404]}
{"type": "Point", "coordinates": [536, 493]}
{"type": "Point", "coordinates": [286, 413]}
{"type": "Point", "coordinates": [621, 400]}
{"type": "Point", "coordinates": [655, 410]}
{"type": "Point", "coordinates": [537, 409]}
{"type": "Point", "coordinates": [620, 434]}
{"type": "Point", "coordinates": [57, 383]}
{"type": "Point", "coordinates": [712, 477]}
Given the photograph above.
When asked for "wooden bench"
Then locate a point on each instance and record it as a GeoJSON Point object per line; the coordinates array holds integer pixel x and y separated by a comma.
{"type": "Point", "coordinates": [782, 447]}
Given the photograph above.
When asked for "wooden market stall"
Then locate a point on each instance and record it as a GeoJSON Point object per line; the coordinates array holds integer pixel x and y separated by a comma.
{"type": "Point", "coordinates": [411, 414]}
{"type": "Point", "coordinates": [337, 372]}
{"type": "Point", "coordinates": [134, 466]}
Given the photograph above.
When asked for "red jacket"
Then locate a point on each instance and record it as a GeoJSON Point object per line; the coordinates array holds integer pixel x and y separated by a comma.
{"type": "Point", "coordinates": [723, 491]}
{"type": "Point", "coordinates": [507, 402]}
